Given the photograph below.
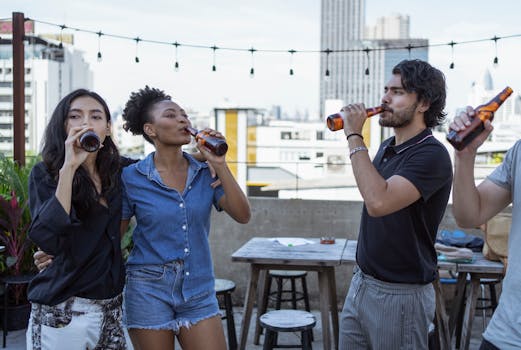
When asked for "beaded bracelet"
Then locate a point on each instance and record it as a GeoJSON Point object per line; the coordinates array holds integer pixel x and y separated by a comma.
{"type": "Point", "coordinates": [357, 149]}
{"type": "Point", "coordinates": [354, 134]}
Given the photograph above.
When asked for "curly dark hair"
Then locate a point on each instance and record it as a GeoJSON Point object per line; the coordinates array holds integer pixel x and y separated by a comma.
{"type": "Point", "coordinates": [429, 84]}
{"type": "Point", "coordinates": [137, 108]}
{"type": "Point", "coordinates": [84, 193]}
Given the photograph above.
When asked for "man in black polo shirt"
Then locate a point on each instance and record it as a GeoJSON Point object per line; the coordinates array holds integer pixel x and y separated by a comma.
{"type": "Point", "coordinates": [391, 300]}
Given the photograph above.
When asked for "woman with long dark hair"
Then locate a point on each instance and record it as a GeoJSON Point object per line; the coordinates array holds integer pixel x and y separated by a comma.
{"type": "Point", "coordinates": [75, 202]}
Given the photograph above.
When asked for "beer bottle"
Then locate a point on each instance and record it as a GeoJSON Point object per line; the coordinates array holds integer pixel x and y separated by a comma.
{"type": "Point", "coordinates": [216, 145]}
{"type": "Point", "coordinates": [336, 121]}
{"type": "Point", "coordinates": [460, 139]}
{"type": "Point", "coordinates": [89, 141]}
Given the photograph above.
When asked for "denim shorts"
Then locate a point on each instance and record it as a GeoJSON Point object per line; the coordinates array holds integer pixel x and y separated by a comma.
{"type": "Point", "coordinates": [153, 299]}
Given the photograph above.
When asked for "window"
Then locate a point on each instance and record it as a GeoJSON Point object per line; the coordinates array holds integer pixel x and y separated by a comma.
{"type": "Point", "coordinates": [320, 135]}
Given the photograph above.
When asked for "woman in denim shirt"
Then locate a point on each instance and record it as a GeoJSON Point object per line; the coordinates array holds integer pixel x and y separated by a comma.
{"type": "Point", "coordinates": [170, 282]}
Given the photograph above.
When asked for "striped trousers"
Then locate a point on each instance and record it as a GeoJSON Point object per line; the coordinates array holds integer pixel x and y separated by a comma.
{"type": "Point", "coordinates": [382, 315]}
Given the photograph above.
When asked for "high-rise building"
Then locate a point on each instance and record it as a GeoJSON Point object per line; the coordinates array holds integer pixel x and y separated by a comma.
{"type": "Point", "coordinates": [395, 26]}
{"type": "Point", "coordinates": [51, 72]}
{"type": "Point", "coordinates": [360, 71]}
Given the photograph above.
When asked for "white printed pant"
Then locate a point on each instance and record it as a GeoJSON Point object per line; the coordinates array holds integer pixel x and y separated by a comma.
{"type": "Point", "coordinates": [77, 324]}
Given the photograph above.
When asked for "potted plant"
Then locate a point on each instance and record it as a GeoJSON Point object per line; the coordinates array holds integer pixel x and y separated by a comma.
{"type": "Point", "coordinates": [16, 259]}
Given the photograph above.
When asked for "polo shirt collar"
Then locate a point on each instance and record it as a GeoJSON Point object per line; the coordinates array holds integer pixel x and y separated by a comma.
{"type": "Point", "coordinates": [422, 136]}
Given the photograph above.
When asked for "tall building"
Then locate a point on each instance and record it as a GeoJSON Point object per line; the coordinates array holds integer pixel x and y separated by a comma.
{"type": "Point", "coordinates": [395, 26]}
{"type": "Point", "coordinates": [51, 72]}
{"type": "Point", "coordinates": [360, 73]}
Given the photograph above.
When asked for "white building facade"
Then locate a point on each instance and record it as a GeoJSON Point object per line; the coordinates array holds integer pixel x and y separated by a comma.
{"type": "Point", "coordinates": [51, 72]}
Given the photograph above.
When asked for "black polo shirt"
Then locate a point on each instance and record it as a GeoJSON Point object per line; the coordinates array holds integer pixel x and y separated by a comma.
{"type": "Point", "coordinates": [87, 255]}
{"type": "Point", "coordinates": [399, 247]}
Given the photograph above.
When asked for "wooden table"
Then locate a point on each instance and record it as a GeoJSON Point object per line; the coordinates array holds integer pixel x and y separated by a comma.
{"type": "Point", "coordinates": [265, 254]}
{"type": "Point", "coordinates": [480, 268]}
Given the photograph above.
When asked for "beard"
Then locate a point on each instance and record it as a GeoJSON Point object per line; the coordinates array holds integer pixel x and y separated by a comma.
{"type": "Point", "coordinates": [399, 119]}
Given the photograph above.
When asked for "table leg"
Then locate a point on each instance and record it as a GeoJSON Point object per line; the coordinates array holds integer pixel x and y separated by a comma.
{"type": "Point", "coordinates": [324, 306]}
{"type": "Point", "coordinates": [470, 308]}
{"type": "Point", "coordinates": [333, 304]}
{"type": "Point", "coordinates": [457, 304]}
{"type": "Point", "coordinates": [248, 304]}
{"type": "Point", "coordinates": [262, 301]}
{"type": "Point", "coordinates": [441, 321]}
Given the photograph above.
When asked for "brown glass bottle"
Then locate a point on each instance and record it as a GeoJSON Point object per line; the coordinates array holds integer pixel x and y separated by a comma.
{"type": "Point", "coordinates": [336, 121]}
{"type": "Point", "coordinates": [459, 139]}
{"type": "Point", "coordinates": [89, 141]}
{"type": "Point", "coordinates": [216, 145]}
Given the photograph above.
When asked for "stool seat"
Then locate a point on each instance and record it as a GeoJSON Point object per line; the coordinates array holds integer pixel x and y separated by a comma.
{"type": "Point", "coordinates": [224, 288]}
{"type": "Point", "coordinates": [287, 273]}
{"type": "Point", "coordinates": [287, 321]}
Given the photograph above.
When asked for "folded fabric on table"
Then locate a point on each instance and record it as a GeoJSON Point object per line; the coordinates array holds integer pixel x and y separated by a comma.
{"type": "Point", "coordinates": [453, 254]}
{"type": "Point", "coordinates": [458, 238]}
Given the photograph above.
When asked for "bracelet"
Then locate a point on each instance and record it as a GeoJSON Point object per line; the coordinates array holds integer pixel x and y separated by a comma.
{"type": "Point", "coordinates": [354, 134]}
{"type": "Point", "coordinates": [357, 149]}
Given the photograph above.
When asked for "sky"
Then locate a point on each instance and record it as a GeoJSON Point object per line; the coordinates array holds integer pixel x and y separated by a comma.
{"type": "Point", "coordinates": [265, 25]}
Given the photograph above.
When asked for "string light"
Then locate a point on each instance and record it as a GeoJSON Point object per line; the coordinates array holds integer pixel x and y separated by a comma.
{"type": "Point", "coordinates": [214, 68]}
{"type": "Point", "coordinates": [291, 61]}
{"type": "Point", "coordinates": [99, 45]}
{"type": "Point", "coordinates": [176, 64]}
{"type": "Point", "coordinates": [452, 43]}
{"type": "Point", "coordinates": [63, 26]}
{"type": "Point", "coordinates": [496, 61]}
{"type": "Point", "coordinates": [409, 47]}
{"type": "Point", "coordinates": [327, 51]}
{"type": "Point", "coordinates": [252, 70]}
{"type": "Point", "coordinates": [367, 50]}
{"type": "Point", "coordinates": [137, 49]}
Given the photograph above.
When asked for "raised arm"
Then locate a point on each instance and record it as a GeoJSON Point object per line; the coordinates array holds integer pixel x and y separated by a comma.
{"type": "Point", "coordinates": [473, 206]}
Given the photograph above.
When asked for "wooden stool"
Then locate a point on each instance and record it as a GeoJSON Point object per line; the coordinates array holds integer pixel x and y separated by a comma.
{"type": "Point", "coordinates": [485, 303]}
{"type": "Point", "coordinates": [225, 289]}
{"type": "Point", "coordinates": [287, 321]}
{"type": "Point", "coordinates": [279, 295]}
{"type": "Point", "coordinates": [7, 282]}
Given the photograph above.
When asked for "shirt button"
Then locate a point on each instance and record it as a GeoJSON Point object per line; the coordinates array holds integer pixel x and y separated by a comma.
{"type": "Point", "coordinates": [187, 273]}
{"type": "Point", "coordinates": [385, 160]}
{"type": "Point", "coordinates": [189, 187]}
{"type": "Point", "coordinates": [186, 250]}
{"type": "Point", "coordinates": [181, 205]}
{"type": "Point", "coordinates": [183, 227]}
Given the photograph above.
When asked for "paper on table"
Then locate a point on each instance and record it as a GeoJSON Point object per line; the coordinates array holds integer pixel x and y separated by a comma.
{"type": "Point", "coordinates": [291, 241]}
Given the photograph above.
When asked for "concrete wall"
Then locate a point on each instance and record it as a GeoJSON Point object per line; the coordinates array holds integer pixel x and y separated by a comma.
{"type": "Point", "coordinates": [272, 217]}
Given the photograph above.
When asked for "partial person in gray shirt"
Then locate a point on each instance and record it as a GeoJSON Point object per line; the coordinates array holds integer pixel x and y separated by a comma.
{"type": "Point", "coordinates": [474, 206]}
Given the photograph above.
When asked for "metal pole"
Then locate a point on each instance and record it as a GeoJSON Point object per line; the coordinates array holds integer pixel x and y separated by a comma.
{"type": "Point", "coordinates": [18, 88]}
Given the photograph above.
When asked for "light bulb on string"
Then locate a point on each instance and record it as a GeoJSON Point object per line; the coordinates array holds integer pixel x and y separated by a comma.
{"type": "Point", "coordinates": [452, 43]}
{"type": "Point", "coordinates": [214, 67]}
{"type": "Point", "coordinates": [327, 51]}
{"type": "Point", "coordinates": [176, 64]}
{"type": "Point", "coordinates": [291, 61]}
{"type": "Point", "coordinates": [137, 49]}
{"type": "Point", "coordinates": [367, 50]}
{"type": "Point", "coordinates": [409, 48]}
{"type": "Point", "coordinates": [63, 26]}
{"type": "Point", "coordinates": [99, 45]}
{"type": "Point", "coordinates": [496, 60]}
{"type": "Point", "coordinates": [252, 70]}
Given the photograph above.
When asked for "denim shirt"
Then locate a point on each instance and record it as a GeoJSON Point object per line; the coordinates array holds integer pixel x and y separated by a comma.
{"type": "Point", "coordinates": [171, 225]}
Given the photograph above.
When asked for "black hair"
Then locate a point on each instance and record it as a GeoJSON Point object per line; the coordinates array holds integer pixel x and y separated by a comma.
{"type": "Point", "coordinates": [137, 108]}
{"type": "Point", "coordinates": [429, 84]}
{"type": "Point", "coordinates": [84, 192]}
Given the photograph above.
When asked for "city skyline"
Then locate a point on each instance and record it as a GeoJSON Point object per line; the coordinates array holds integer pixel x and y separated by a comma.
{"type": "Point", "coordinates": [268, 25]}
